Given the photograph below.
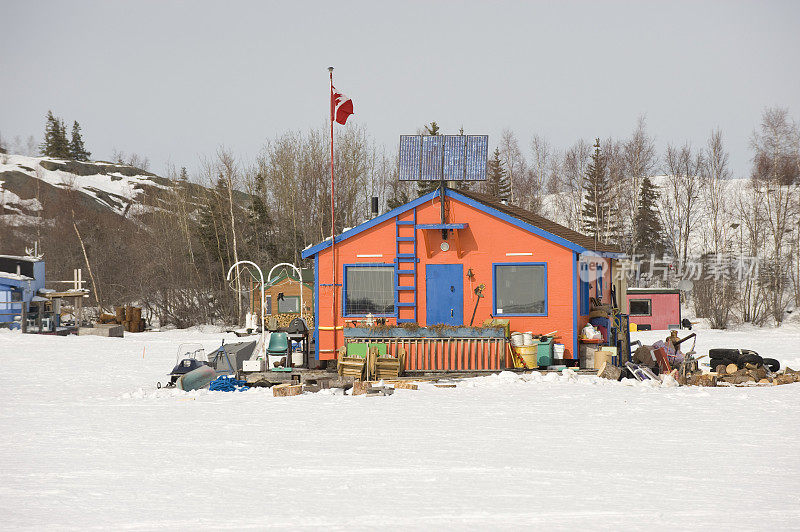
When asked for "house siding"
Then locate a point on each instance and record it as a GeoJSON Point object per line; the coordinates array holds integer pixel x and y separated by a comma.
{"type": "Point", "coordinates": [487, 241]}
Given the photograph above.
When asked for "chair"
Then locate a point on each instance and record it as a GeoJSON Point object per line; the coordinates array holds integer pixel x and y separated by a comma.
{"type": "Point", "coordinates": [352, 360]}
{"type": "Point", "coordinates": [278, 344]}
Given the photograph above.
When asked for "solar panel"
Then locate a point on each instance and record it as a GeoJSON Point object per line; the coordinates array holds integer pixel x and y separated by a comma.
{"type": "Point", "coordinates": [431, 164]}
{"type": "Point", "coordinates": [452, 157]}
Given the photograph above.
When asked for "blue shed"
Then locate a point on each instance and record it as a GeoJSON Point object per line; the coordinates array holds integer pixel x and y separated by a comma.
{"type": "Point", "coordinates": [21, 278]}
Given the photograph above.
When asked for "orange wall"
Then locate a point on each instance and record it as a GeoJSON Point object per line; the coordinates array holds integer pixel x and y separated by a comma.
{"type": "Point", "coordinates": [484, 242]}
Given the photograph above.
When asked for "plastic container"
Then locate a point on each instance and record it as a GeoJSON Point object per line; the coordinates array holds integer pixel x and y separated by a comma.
{"type": "Point", "coordinates": [528, 354]}
{"type": "Point", "coordinates": [545, 352]}
{"type": "Point", "coordinates": [517, 339]}
{"type": "Point", "coordinates": [297, 358]}
{"type": "Point", "coordinates": [527, 338]}
{"type": "Point", "coordinates": [558, 351]}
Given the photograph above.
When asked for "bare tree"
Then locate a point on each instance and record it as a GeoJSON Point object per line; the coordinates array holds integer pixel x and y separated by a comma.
{"type": "Point", "coordinates": [576, 160]}
{"type": "Point", "coordinates": [541, 155]}
{"type": "Point", "coordinates": [775, 176]}
{"type": "Point", "coordinates": [514, 163]}
{"type": "Point", "coordinates": [681, 197]}
{"type": "Point", "coordinates": [715, 176]}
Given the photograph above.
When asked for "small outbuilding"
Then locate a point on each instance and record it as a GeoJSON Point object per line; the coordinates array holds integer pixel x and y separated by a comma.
{"type": "Point", "coordinates": [654, 308]}
{"type": "Point", "coordinates": [466, 261]}
{"type": "Point", "coordinates": [21, 278]}
{"type": "Point", "coordinates": [282, 294]}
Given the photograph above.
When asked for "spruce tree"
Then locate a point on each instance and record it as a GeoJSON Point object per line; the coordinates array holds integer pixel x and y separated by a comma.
{"type": "Point", "coordinates": [497, 184]}
{"type": "Point", "coordinates": [62, 143]}
{"type": "Point", "coordinates": [423, 187]}
{"type": "Point", "coordinates": [77, 150]}
{"type": "Point", "coordinates": [55, 138]}
{"type": "Point", "coordinates": [649, 237]}
{"type": "Point", "coordinates": [50, 133]}
{"type": "Point", "coordinates": [599, 221]}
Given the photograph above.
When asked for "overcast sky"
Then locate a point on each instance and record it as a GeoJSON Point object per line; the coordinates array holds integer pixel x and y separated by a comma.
{"type": "Point", "coordinates": [174, 80]}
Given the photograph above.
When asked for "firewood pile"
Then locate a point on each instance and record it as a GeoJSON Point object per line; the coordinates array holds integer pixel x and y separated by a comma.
{"type": "Point", "coordinates": [282, 321]}
{"type": "Point", "coordinates": [129, 317]}
{"type": "Point", "coordinates": [752, 373]}
{"type": "Point", "coordinates": [749, 374]}
{"type": "Point", "coordinates": [746, 374]}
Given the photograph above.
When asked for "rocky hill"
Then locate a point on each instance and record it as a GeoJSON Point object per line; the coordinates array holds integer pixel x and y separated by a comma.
{"type": "Point", "coordinates": [28, 185]}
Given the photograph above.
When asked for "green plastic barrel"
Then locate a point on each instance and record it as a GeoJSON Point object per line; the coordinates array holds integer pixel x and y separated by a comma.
{"type": "Point", "coordinates": [544, 352]}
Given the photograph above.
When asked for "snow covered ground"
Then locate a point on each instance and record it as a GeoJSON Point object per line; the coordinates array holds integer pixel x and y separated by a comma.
{"type": "Point", "coordinates": [88, 442]}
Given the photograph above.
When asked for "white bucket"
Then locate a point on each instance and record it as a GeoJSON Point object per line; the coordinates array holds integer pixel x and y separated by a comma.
{"type": "Point", "coordinates": [517, 339]}
{"type": "Point", "coordinates": [527, 338]}
{"type": "Point", "coordinates": [297, 358]}
{"type": "Point", "coordinates": [558, 351]}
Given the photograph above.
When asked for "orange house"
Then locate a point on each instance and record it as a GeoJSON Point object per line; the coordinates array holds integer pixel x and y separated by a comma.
{"type": "Point", "coordinates": [406, 266]}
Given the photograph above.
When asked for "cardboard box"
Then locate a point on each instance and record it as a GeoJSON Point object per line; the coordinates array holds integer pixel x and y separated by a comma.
{"type": "Point", "coordinates": [253, 365]}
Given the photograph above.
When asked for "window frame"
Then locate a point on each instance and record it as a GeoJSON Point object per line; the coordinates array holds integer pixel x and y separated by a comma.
{"type": "Point", "coordinates": [368, 265]}
{"type": "Point", "coordinates": [639, 299]}
{"type": "Point", "coordinates": [494, 288]}
{"type": "Point", "coordinates": [285, 297]}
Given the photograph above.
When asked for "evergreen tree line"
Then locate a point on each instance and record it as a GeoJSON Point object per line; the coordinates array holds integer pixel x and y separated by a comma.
{"type": "Point", "coordinates": [57, 145]}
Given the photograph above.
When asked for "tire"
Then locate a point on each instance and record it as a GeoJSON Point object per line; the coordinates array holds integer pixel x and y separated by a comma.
{"type": "Point", "coordinates": [722, 353]}
{"type": "Point", "coordinates": [750, 358]}
{"type": "Point", "coordinates": [772, 364]}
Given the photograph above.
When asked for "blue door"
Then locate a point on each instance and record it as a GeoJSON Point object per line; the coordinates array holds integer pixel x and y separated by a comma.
{"type": "Point", "coordinates": [444, 294]}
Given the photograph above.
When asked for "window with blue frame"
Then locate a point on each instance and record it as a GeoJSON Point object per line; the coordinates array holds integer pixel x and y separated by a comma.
{"type": "Point", "coordinates": [368, 289]}
{"type": "Point", "coordinates": [520, 289]}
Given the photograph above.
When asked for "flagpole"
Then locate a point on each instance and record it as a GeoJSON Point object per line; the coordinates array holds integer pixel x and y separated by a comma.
{"type": "Point", "coordinates": [333, 225]}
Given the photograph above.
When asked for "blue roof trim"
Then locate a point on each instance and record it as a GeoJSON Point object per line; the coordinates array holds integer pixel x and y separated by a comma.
{"type": "Point", "coordinates": [371, 223]}
{"type": "Point", "coordinates": [516, 221]}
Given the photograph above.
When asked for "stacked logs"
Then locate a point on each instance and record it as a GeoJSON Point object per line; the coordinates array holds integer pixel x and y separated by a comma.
{"type": "Point", "coordinates": [752, 373]}
{"type": "Point", "coordinates": [130, 317]}
{"type": "Point", "coordinates": [283, 320]}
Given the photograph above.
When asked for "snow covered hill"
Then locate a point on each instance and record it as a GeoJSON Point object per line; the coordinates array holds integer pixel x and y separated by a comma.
{"type": "Point", "coordinates": [29, 182]}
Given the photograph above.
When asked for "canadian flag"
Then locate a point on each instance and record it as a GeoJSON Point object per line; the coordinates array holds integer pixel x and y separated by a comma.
{"type": "Point", "coordinates": [341, 106]}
